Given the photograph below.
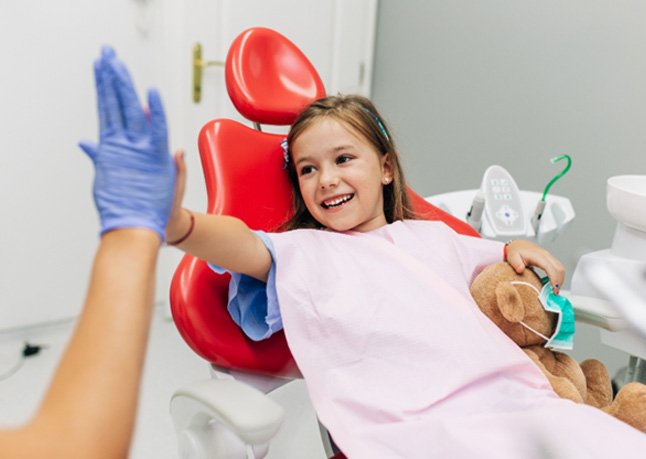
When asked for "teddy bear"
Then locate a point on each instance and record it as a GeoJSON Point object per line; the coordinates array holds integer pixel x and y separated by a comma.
{"type": "Point", "coordinates": [506, 304]}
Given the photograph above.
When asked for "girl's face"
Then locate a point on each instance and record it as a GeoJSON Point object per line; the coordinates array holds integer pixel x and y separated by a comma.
{"type": "Point", "coordinates": [341, 176]}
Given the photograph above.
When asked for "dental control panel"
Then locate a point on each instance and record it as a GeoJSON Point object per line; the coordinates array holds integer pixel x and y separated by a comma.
{"type": "Point", "coordinates": [500, 210]}
{"type": "Point", "coordinates": [503, 207]}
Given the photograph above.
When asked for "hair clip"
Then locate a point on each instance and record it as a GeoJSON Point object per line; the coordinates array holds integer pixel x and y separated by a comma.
{"type": "Point", "coordinates": [285, 147]}
{"type": "Point", "coordinates": [379, 123]}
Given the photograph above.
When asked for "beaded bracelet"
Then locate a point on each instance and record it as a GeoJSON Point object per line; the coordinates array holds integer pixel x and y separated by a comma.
{"type": "Point", "coordinates": [188, 233]}
{"type": "Point", "coordinates": [504, 250]}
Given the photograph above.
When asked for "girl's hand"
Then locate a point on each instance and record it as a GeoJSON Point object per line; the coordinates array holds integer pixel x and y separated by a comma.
{"type": "Point", "coordinates": [522, 254]}
{"type": "Point", "coordinates": [176, 223]}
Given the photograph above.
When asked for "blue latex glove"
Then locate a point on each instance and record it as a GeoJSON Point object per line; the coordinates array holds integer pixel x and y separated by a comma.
{"type": "Point", "coordinates": [135, 173]}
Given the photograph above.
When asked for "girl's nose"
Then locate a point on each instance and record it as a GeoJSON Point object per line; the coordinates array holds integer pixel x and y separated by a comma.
{"type": "Point", "coordinates": [328, 179]}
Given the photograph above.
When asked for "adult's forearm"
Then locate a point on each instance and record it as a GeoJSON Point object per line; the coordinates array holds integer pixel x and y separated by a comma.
{"type": "Point", "coordinates": [89, 409]}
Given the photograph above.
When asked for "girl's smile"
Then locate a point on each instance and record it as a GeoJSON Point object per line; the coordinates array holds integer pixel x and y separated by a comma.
{"type": "Point", "coordinates": [336, 202]}
{"type": "Point", "coordinates": [341, 176]}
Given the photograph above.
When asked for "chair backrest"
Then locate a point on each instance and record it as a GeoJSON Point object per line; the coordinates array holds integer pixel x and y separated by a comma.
{"type": "Point", "coordinates": [270, 80]}
{"type": "Point", "coordinates": [244, 175]}
{"type": "Point", "coordinates": [243, 169]}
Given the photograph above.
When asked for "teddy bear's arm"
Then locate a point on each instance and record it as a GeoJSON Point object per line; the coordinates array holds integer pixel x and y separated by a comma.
{"type": "Point", "coordinates": [563, 386]}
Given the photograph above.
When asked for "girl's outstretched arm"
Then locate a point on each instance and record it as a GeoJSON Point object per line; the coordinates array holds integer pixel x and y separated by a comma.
{"type": "Point", "coordinates": [224, 241]}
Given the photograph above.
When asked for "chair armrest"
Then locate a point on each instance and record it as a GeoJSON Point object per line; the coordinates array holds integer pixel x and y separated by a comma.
{"type": "Point", "coordinates": [245, 411]}
{"type": "Point", "coordinates": [595, 311]}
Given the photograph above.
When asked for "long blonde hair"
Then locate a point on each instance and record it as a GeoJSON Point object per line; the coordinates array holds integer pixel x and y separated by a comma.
{"type": "Point", "coordinates": [360, 114]}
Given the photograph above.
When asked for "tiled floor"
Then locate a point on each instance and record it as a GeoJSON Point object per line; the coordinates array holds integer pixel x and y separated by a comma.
{"type": "Point", "coordinates": [169, 365]}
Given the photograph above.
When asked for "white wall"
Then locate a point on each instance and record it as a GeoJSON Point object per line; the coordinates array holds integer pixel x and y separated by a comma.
{"type": "Point", "coordinates": [467, 84]}
{"type": "Point", "coordinates": [49, 227]}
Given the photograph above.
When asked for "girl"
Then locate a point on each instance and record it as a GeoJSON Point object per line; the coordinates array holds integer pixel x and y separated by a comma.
{"type": "Point", "coordinates": [398, 359]}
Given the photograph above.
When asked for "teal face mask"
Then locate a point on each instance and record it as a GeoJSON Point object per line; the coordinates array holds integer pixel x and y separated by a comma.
{"type": "Point", "coordinates": [563, 336]}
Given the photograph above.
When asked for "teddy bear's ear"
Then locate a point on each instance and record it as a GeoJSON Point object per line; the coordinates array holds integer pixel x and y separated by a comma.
{"type": "Point", "coordinates": [510, 303]}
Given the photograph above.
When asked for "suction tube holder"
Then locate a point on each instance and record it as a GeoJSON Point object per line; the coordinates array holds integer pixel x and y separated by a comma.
{"type": "Point", "coordinates": [474, 216]}
{"type": "Point", "coordinates": [540, 206]}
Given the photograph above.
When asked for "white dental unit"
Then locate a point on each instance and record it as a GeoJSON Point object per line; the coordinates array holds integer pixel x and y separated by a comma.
{"type": "Point", "coordinates": [608, 286]}
{"type": "Point", "coordinates": [499, 210]}
{"type": "Point", "coordinates": [618, 274]}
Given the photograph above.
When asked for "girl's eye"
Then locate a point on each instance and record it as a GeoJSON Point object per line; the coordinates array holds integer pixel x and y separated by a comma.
{"type": "Point", "coordinates": [343, 159]}
{"type": "Point", "coordinates": [306, 170]}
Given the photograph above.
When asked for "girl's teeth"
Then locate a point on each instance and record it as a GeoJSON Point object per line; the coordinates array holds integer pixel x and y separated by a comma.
{"type": "Point", "coordinates": [336, 202]}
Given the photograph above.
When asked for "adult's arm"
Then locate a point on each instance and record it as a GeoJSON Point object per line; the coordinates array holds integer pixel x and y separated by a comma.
{"type": "Point", "coordinates": [89, 409]}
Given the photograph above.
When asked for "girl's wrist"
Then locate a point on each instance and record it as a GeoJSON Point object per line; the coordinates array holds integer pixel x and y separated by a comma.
{"type": "Point", "coordinates": [180, 227]}
{"type": "Point", "coordinates": [505, 250]}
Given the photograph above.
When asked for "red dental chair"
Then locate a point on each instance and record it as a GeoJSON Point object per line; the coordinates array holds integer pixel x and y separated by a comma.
{"type": "Point", "coordinates": [269, 81]}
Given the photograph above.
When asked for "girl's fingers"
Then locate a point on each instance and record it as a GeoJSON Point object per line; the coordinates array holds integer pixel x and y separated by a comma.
{"type": "Point", "coordinates": [529, 254]}
{"type": "Point", "coordinates": [180, 181]}
{"type": "Point", "coordinates": [556, 274]}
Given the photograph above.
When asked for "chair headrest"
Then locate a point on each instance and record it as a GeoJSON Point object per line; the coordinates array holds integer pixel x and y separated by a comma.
{"type": "Point", "coordinates": [270, 80]}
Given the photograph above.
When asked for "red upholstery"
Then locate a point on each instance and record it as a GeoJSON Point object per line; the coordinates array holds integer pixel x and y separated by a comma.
{"type": "Point", "coordinates": [244, 175]}
{"type": "Point", "coordinates": [269, 80]}
{"type": "Point", "coordinates": [427, 211]}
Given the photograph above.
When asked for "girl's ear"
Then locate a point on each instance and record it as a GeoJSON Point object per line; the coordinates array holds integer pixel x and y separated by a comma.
{"type": "Point", "coordinates": [386, 169]}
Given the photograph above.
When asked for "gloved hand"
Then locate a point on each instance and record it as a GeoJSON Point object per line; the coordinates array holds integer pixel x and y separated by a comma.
{"type": "Point", "coordinates": [135, 173]}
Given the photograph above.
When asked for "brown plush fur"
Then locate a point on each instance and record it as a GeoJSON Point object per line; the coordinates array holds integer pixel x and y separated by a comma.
{"type": "Point", "coordinates": [506, 304]}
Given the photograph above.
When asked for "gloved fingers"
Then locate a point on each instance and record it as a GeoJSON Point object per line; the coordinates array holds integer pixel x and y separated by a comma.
{"type": "Point", "coordinates": [89, 148]}
{"type": "Point", "coordinates": [108, 52]}
{"type": "Point", "coordinates": [100, 82]}
{"type": "Point", "coordinates": [107, 96]}
{"type": "Point", "coordinates": [134, 119]}
{"type": "Point", "coordinates": [158, 128]}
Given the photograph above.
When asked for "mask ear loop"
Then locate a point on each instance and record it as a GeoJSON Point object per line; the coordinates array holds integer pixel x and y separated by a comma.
{"type": "Point", "coordinates": [538, 293]}
{"type": "Point", "coordinates": [534, 331]}
{"type": "Point", "coordinates": [523, 323]}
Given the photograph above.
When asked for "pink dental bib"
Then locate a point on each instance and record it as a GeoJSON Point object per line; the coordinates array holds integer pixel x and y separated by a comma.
{"type": "Point", "coordinates": [399, 361]}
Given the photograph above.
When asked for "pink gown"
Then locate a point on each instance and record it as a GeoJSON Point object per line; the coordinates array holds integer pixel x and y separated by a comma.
{"type": "Point", "coordinates": [400, 362]}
